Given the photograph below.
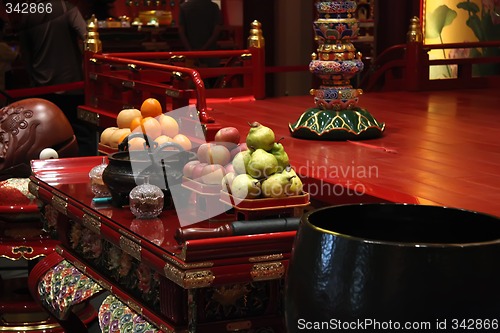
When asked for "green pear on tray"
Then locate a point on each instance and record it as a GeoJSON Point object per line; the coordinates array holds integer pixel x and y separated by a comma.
{"type": "Point", "coordinates": [263, 170]}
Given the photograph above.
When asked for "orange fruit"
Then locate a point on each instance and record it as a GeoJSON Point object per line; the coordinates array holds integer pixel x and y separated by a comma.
{"type": "Point", "coordinates": [118, 136]}
{"type": "Point", "coordinates": [123, 137]}
{"type": "Point", "coordinates": [106, 135]}
{"type": "Point", "coordinates": [134, 123]}
{"type": "Point", "coordinates": [183, 140]}
{"type": "Point", "coordinates": [169, 125]}
{"type": "Point", "coordinates": [136, 143]}
{"type": "Point", "coordinates": [125, 117]}
{"type": "Point", "coordinates": [162, 139]}
{"type": "Point", "coordinates": [151, 107]}
{"type": "Point", "coordinates": [151, 127]}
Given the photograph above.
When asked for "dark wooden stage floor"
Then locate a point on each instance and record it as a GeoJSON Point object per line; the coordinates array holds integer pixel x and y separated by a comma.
{"type": "Point", "coordinates": [439, 147]}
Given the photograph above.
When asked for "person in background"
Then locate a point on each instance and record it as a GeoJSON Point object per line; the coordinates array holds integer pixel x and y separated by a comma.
{"type": "Point", "coordinates": [7, 56]}
{"type": "Point", "coordinates": [51, 48]}
{"type": "Point", "coordinates": [200, 23]}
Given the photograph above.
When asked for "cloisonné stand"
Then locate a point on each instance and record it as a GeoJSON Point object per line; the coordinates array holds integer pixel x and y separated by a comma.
{"type": "Point", "coordinates": [336, 115]}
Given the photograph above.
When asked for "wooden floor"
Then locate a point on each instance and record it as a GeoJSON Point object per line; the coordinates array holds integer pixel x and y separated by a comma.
{"type": "Point", "coordinates": [440, 147]}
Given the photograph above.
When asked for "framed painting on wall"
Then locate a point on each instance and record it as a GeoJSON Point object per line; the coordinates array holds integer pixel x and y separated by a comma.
{"type": "Point", "coordinates": [461, 21]}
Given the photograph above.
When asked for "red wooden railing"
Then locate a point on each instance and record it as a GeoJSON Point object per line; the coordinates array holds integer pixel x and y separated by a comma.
{"type": "Point", "coordinates": [115, 81]}
{"type": "Point", "coordinates": [247, 65]}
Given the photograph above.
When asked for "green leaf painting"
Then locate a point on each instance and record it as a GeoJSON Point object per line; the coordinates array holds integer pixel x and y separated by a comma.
{"type": "Point", "coordinates": [481, 17]}
{"type": "Point", "coordinates": [485, 25]}
{"type": "Point", "coordinates": [469, 6]}
{"type": "Point", "coordinates": [441, 17]}
{"type": "Point", "coordinates": [474, 22]}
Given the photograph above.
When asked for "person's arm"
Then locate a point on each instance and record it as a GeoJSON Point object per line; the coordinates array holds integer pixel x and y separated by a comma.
{"type": "Point", "coordinates": [213, 38]}
{"type": "Point", "coordinates": [77, 22]}
{"type": "Point", "coordinates": [182, 31]}
{"type": "Point", "coordinates": [184, 40]}
{"type": "Point", "coordinates": [216, 31]}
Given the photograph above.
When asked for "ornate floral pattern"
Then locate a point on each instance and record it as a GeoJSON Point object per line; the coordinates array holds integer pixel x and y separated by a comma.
{"type": "Point", "coordinates": [64, 286]}
{"type": "Point", "coordinates": [116, 317]}
{"type": "Point", "coordinates": [89, 242]}
{"type": "Point", "coordinates": [237, 300]}
{"type": "Point", "coordinates": [335, 7]}
{"type": "Point", "coordinates": [332, 32]}
{"type": "Point", "coordinates": [116, 264]}
{"type": "Point", "coordinates": [325, 69]}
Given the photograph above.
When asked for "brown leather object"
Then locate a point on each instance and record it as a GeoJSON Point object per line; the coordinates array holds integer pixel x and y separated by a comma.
{"type": "Point", "coordinates": [28, 126]}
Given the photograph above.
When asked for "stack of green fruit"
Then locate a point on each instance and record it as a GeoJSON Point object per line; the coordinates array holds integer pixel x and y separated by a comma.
{"type": "Point", "coordinates": [263, 170]}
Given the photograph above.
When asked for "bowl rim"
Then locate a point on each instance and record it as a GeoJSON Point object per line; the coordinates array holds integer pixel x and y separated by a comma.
{"type": "Point", "coordinates": [305, 219]}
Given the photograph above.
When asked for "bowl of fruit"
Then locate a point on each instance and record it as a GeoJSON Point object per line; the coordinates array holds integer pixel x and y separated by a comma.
{"type": "Point", "coordinates": [253, 177]}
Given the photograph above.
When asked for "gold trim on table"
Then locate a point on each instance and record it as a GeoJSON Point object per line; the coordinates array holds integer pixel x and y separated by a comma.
{"type": "Point", "coordinates": [91, 222]}
{"type": "Point", "coordinates": [183, 265]}
{"type": "Point", "coordinates": [190, 279]}
{"type": "Point", "coordinates": [60, 204]}
{"type": "Point", "coordinates": [267, 271]}
{"type": "Point", "coordinates": [105, 285]}
{"type": "Point", "coordinates": [130, 247]}
{"type": "Point", "coordinates": [134, 306]}
{"type": "Point", "coordinates": [277, 256]}
{"type": "Point", "coordinates": [165, 329]}
{"type": "Point", "coordinates": [81, 267]}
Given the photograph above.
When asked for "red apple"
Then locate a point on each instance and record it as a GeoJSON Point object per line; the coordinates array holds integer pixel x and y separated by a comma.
{"type": "Point", "coordinates": [197, 171]}
{"type": "Point", "coordinates": [212, 153]}
{"type": "Point", "coordinates": [188, 168]}
{"type": "Point", "coordinates": [212, 174]}
{"type": "Point", "coordinates": [228, 136]}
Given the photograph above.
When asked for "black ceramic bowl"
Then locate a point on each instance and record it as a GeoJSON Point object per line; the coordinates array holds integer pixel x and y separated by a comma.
{"type": "Point", "coordinates": [392, 262]}
{"type": "Point", "coordinates": [127, 169]}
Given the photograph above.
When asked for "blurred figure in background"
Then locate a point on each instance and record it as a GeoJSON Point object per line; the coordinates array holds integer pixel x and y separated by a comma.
{"type": "Point", "coordinates": [52, 49]}
{"type": "Point", "coordinates": [7, 56]}
{"type": "Point", "coordinates": [200, 24]}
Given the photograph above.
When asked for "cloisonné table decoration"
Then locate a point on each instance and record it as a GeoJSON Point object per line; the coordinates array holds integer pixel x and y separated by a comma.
{"type": "Point", "coordinates": [336, 115]}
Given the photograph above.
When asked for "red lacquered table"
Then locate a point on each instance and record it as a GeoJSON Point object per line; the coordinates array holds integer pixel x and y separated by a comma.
{"type": "Point", "coordinates": [208, 285]}
{"type": "Point", "coordinates": [439, 148]}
